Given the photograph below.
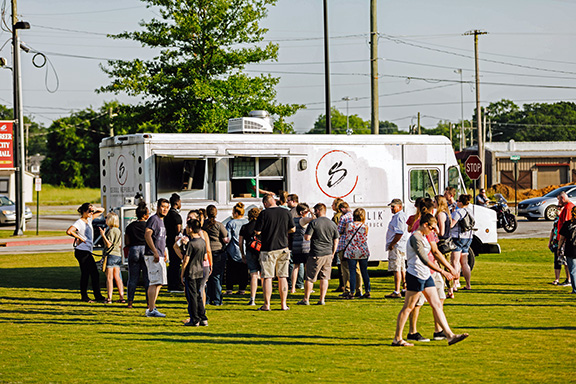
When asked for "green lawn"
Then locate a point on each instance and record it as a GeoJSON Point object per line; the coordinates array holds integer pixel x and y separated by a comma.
{"type": "Point", "coordinates": [522, 330]}
{"type": "Point", "coordinates": [54, 195]}
{"type": "Point", "coordinates": [7, 234]}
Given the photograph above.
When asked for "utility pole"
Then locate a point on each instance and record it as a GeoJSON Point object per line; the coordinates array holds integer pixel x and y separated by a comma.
{"type": "Point", "coordinates": [480, 134]}
{"type": "Point", "coordinates": [419, 130]}
{"type": "Point", "coordinates": [19, 147]}
{"type": "Point", "coordinates": [327, 71]}
{"type": "Point", "coordinates": [451, 132]}
{"type": "Point", "coordinates": [111, 114]}
{"type": "Point", "coordinates": [374, 116]}
{"type": "Point", "coordinates": [462, 136]}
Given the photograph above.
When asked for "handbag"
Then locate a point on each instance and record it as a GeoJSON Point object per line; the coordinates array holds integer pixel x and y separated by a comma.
{"type": "Point", "coordinates": [255, 244]}
{"type": "Point", "coordinates": [446, 245]}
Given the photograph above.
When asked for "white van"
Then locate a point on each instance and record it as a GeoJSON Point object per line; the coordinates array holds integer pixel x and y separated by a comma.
{"type": "Point", "coordinates": [367, 171]}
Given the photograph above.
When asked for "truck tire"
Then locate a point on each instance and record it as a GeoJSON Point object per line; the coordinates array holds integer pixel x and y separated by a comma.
{"type": "Point", "coordinates": [551, 212]}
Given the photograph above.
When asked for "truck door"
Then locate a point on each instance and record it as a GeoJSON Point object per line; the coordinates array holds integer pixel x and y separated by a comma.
{"type": "Point", "coordinates": [422, 180]}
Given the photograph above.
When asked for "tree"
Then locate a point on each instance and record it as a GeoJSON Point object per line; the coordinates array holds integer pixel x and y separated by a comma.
{"type": "Point", "coordinates": [196, 83]}
{"type": "Point", "coordinates": [36, 132]}
{"type": "Point", "coordinates": [355, 123]}
{"type": "Point", "coordinates": [532, 122]}
{"type": "Point", "coordinates": [73, 158]}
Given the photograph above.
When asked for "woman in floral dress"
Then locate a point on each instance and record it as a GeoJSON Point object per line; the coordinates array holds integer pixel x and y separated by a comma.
{"type": "Point", "coordinates": [356, 251]}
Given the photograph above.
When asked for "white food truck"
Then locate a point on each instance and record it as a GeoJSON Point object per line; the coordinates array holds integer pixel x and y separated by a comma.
{"type": "Point", "coordinates": [367, 171]}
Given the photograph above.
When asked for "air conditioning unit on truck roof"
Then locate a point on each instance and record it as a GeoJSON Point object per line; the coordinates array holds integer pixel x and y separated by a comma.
{"type": "Point", "coordinates": [257, 122]}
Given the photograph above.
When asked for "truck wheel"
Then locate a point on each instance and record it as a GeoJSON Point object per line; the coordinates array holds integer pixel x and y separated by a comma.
{"type": "Point", "coordinates": [551, 212]}
{"type": "Point", "coordinates": [471, 258]}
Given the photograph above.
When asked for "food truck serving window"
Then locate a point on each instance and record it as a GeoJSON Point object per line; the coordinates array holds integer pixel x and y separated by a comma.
{"type": "Point", "coordinates": [187, 177]}
{"type": "Point", "coordinates": [424, 183]}
{"type": "Point", "coordinates": [256, 176]}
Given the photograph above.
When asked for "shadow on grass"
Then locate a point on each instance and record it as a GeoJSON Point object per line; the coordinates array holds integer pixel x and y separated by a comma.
{"type": "Point", "coordinates": [47, 277]}
{"type": "Point", "coordinates": [245, 338]}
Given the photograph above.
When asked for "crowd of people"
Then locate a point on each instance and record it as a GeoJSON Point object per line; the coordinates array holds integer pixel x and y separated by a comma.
{"type": "Point", "coordinates": [287, 241]}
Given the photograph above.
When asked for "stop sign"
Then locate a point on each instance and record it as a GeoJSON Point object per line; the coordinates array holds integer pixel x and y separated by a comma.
{"type": "Point", "coordinates": [473, 167]}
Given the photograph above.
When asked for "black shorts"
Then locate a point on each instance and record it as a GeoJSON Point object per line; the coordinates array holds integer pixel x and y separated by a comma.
{"type": "Point", "coordinates": [415, 284]}
{"type": "Point", "coordinates": [299, 258]}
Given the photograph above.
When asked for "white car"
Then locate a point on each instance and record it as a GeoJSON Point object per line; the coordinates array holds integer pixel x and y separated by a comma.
{"type": "Point", "coordinates": [8, 211]}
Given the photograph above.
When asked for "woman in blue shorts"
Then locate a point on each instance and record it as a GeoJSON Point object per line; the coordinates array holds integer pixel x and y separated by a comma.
{"type": "Point", "coordinates": [463, 241]}
{"type": "Point", "coordinates": [419, 280]}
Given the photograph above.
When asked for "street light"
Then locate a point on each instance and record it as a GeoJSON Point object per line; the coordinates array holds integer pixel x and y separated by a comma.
{"type": "Point", "coordinates": [347, 99]}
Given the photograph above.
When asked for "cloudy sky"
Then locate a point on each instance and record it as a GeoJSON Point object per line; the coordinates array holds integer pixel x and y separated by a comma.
{"type": "Point", "coordinates": [527, 56]}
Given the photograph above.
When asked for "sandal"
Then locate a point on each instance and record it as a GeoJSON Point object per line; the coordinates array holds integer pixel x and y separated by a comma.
{"type": "Point", "coordinates": [457, 338]}
{"type": "Point", "coordinates": [107, 301]}
{"type": "Point", "coordinates": [122, 301]}
{"type": "Point", "coordinates": [401, 343]}
{"type": "Point", "coordinates": [88, 301]}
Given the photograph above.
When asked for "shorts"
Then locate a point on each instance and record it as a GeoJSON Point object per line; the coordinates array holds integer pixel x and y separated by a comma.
{"type": "Point", "coordinates": [252, 261]}
{"type": "Point", "coordinates": [275, 263]}
{"type": "Point", "coordinates": [439, 283]}
{"type": "Point", "coordinates": [559, 259]}
{"type": "Point", "coordinates": [156, 271]}
{"type": "Point", "coordinates": [462, 245]}
{"type": "Point", "coordinates": [396, 260]}
{"type": "Point", "coordinates": [318, 267]}
{"type": "Point", "coordinates": [113, 261]}
{"type": "Point", "coordinates": [299, 258]}
{"type": "Point", "coordinates": [415, 284]}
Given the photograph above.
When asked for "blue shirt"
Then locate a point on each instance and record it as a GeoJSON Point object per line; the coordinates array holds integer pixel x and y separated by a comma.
{"type": "Point", "coordinates": [398, 226]}
{"type": "Point", "coordinates": [233, 227]}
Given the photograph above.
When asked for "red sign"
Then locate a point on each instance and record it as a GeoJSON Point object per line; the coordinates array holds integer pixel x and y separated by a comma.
{"type": "Point", "coordinates": [473, 167]}
{"type": "Point", "coordinates": [6, 148]}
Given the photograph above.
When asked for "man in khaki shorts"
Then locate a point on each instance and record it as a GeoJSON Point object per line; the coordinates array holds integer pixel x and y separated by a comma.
{"type": "Point", "coordinates": [323, 236]}
{"type": "Point", "coordinates": [273, 226]}
{"type": "Point", "coordinates": [396, 238]}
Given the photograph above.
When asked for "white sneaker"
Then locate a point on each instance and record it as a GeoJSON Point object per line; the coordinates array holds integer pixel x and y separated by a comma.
{"type": "Point", "coordinates": [154, 313]}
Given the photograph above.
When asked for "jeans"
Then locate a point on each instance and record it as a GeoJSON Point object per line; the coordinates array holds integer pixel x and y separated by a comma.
{"type": "Point", "coordinates": [135, 265]}
{"type": "Point", "coordinates": [88, 270]}
{"type": "Point", "coordinates": [196, 309]}
{"type": "Point", "coordinates": [215, 279]}
{"type": "Point", "coordinates": [174, 283]}
{"type": "Point", "coordinates": [363, 270]}
{"type": "Point", "coordinates": [572, 270]}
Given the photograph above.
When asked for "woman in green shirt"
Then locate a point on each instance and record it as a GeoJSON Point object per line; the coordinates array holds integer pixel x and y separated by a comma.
{"type": "Point", "coordinates": [112, 240]}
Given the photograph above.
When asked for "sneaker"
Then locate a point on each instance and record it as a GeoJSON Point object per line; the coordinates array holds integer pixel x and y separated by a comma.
{"type": "Point", "coordinates": [154, 313]}
{"type": "Point", "coordinates": [393, 295]}
{"type": "Point", "coordinates": [339, 289]}
{"type": "Point", "coordinates": [344, 295]}
{"type": "Point", "coordinates": [358, 294]}
{"type": "Point", "coordinates": [555, 282]}
{"type": "Point", "coordinates": [251, 302]}
{"type": "Point", "coordinates": [204, 323]}
{"type": "Point", "coordinates": [403, 293]}
{"type": "Point", "coordinates": [320, 302]}
{"type": "Point", "coordinates": [191, 324]}
{"type": "Point", "coordinates": [417, 337]}
{"type": "Point", "coordinates": [565, 283]}
{"type": "Point", "coordinates": [439, 335]}
{"type": "Point", "coordinates": [366, 295]}
{"type": "Point", "coordinates": [303, 302]}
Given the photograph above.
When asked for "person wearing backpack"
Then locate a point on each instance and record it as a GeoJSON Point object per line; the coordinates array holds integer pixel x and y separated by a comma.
{"type": "Point", "coordinates": [461, 234]}
{"type": "Point", "coordinates": [568, 241]}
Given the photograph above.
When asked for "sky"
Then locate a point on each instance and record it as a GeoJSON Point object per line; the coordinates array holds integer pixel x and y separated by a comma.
{"type": "Point", "coordinates": [526, 56]}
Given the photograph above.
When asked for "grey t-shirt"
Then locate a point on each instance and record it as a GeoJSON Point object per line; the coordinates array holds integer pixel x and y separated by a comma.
{"type": "Point", "coordinates": [156, 224]}
{"type": "Point", "coordinates": [323, 232]}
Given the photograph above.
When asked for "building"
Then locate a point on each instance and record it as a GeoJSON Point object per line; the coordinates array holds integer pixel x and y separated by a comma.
{"type": "Point", "coordinates": [540, 164]}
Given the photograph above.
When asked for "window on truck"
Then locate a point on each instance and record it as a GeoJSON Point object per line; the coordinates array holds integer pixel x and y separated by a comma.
{"type": "Point", "coordinates": [189, 177]}
{"type": "Point", "coordinates": [454, 179]}
{"type": "Point", "coordinates": [424, 183]}
{"type": "Point", "coordinates": [256, 176]}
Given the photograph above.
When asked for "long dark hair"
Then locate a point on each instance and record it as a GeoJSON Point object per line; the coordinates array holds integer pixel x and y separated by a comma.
{"type": "Point", "coordinates": [211, 212]}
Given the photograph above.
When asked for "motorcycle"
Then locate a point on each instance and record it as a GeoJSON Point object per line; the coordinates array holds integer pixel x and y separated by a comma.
{"type": "Point", "coordinates": [505, 218]}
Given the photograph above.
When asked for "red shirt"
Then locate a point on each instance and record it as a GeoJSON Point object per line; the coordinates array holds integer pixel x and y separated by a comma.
{"type": "Point", "coordinates": [564, 215]}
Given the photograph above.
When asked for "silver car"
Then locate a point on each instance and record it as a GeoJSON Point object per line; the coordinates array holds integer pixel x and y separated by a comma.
{"type": "Point", "coordinates": [8, 211]}
{"type": "Point", "coordinates": [545, 206]}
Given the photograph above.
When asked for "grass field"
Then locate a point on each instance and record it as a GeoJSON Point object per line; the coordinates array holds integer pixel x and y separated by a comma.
{"type": "Point", "coordinates": [53, 196]}
{"type": "Point", "coordinates": [522, 330]}
{"type": "Point", "coordinates": [8, 234]}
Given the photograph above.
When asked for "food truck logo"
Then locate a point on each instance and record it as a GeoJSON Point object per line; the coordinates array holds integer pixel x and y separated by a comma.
{"type": "Point", "coordinates": [121, 172]}
{"type": "Point", "coordinates": [336, 174]}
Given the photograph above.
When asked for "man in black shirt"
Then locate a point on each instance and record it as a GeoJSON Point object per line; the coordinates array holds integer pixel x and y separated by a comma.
{"type": "Point", "coordinates": [173, 224]}
{"type": "Point", "coordinates": [273, 226]}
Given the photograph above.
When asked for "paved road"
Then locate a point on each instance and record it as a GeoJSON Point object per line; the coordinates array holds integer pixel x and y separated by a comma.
{"type": "Point", "coordinates": [527, 229]}
{"type": "Point", "coordinates": [46, 223]}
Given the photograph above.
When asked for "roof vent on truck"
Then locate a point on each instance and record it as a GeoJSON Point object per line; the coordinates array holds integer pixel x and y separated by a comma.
{"type": "Point", "coordinates": [257, 122]}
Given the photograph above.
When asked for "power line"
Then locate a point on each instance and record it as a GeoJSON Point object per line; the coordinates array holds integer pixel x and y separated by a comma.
{"type": "Point", "coordinates": [82, 13]}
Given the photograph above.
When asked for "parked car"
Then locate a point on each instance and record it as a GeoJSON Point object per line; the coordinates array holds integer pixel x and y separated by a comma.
{"type": "Point", "coordinates": [545, 206]}
{"type": "Point", "coordinates": [8, 211]}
